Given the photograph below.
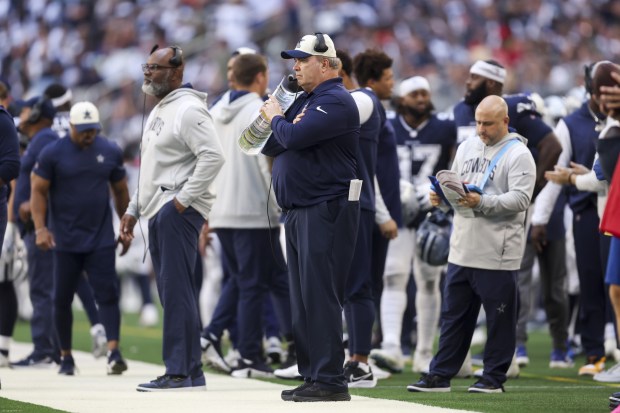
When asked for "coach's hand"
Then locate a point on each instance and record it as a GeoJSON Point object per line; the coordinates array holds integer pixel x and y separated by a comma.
{"type": "Point", "coordinates": [538, 235]}
{"type": "Point", "coordinates": [126, 228]}
{"type": "Point", "coordinates": [44, 239]}
{"type": "Point", "coordinates": [179, 206]}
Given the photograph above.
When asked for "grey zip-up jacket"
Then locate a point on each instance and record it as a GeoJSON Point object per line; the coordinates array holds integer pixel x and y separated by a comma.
{"type": "Point", "coordinates": [242, 187]}
{"type": "Point", "coordinates": [495, 238]}
{"type": "Point", "coordinates": [181, 155]}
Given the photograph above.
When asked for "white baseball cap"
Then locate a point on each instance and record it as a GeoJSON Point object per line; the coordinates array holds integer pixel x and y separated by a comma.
{"type": "Point", "coordinates": [84, 116]}
{"type": "Point", "coordinates": [310, 45]}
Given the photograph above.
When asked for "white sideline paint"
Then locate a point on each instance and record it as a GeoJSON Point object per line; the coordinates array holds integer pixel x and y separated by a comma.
{"type": "Point", "coordinates": [92, 391]}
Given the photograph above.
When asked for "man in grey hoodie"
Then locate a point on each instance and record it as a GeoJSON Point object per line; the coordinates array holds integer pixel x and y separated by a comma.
{"type": "Point", "coordinates": [181, 156]}
{"type": "Point", "coordinates": [485, 251]}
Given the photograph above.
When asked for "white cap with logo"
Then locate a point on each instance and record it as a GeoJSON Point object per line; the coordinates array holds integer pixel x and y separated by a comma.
{"type": "Point", "coordinates": [84, 116]}
{"type": "Point", "coordinates": [317, 44]}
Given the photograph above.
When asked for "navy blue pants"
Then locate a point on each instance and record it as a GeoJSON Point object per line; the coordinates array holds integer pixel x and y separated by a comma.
{"type": "Point", "coordinates": [41, 285]}
{"type": "Point", "coordinates": [592, 292]}
{"type": "Point", "coordinates": [359, 308]}
{"type": "Point", "coordinates": [225, 313]}
{"type": "Point", "coordinates": [465, 290]}
{"type": "Point", "coordinates": [255, 261]}
{"type": "Point", "coordinates": [68, 274]}
{"type": "Point", "coordinates": [173, 242]}
{"type": "Point", "coordinates": [320, 242]}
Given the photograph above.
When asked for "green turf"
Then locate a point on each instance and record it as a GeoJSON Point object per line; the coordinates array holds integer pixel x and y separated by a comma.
{"type": "Point", "coordinates": [538, 389]}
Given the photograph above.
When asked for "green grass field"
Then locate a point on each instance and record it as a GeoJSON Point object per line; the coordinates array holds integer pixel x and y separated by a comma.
{"type": "Point", "coordinates": [538, 389]}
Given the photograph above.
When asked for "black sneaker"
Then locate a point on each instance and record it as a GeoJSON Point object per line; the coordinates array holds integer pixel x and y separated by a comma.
{"type": "Point", "coordinates": [212, 353]}
{"type": "Point", "coordinates": [485, 386]}
{"type": "Point", "coordinates": [430, 383]}
{"type": "Point", "coordinates": [35, 360]}
{"type": "Point", "coordinates": [287, 395]}
{"type": "Point", "coordinates": [67, 366]}
{"type": "Point", "coordinates": [167, 383]}
{"type": "Point", "coordinates": [252, 369]}
{"type": "Point", "coordinates": [359, 375]}
{"type": "Point", "coordinates": [314, 393]}
{"type": "Point", "coordinates": [614, 400]}
{"type": "Point", "coordinates": [116, 363]}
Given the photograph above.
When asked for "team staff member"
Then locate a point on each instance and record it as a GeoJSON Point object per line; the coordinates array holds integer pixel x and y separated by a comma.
{"type": "Point", "coordinates": [485, 252]}
{"type": "Point", "coordinates": [75, 175]}
{"type": "Point", "coordinates": [36, 119]}
{"type": "Point", "coordinates": [314, 147]}
{"type": "Point", "coordinates": [181, 156]}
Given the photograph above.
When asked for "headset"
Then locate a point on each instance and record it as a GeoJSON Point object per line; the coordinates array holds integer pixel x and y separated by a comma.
{"type": "Point", "coordinates": [320, 45]}
{"type": "Point", "coordinates": [177, 58]}
{"type": "Point", "coordinates": [588, 77]}
{"type": "Point", "coordinates": [37, 109]}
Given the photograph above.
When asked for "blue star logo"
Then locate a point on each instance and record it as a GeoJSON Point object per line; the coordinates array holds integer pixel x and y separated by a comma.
{"type": "Point", "coordinates": [87, 115]}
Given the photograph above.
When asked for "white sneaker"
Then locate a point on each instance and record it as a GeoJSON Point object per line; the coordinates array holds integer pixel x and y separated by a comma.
{"type": "Point", "coordinates": [421, 361]}
{"type": "Point", "coordinates": [359, 375]}
{"type": "Point", "coordinates": [232, 358]}
{"type": "Point", "coordinates": [466, 369]}
{"type": "Point", "coordinates": [4, 361]}
{"type": "Point", "coordinates": [479, 337]}
{"type": "Point", "coordinates": [273, 349]}
{"type": "Point", "coordinates": [377, 371]}
{"type": "Point", "coordinates": [99, 341]}
{"type": "Point", "coordinates": [390, 359]}
{"type": "Point", "coordinates": [611, 375]}
{"type": "Point", "coordinates": [211, 355]}
{"type": "Point", "coordinates": [289, 373]}
{"type": "Point", "coordinates": [149, 316]}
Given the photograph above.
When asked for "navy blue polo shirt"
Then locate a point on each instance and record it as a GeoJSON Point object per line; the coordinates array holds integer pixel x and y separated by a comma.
{"type": "Point", "coordinates": [315, 158]}
{"type": "Point", "coordinates": [79, 196]}
{"type": "Point", "coordinates": [22, 189]}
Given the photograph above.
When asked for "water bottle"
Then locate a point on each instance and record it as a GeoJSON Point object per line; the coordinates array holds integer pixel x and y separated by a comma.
{"type": "Point", "coordinates": [254, 137]}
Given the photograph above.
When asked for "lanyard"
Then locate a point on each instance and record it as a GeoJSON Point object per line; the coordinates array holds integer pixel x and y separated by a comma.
{"type": "Point", "coordinates": [494, 161]}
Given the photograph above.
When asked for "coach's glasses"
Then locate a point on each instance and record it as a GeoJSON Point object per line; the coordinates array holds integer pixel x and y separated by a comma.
{"type": "Point", "coordinates": [154, 67]}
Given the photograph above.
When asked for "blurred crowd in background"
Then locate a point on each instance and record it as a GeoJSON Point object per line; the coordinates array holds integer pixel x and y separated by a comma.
{"type": "Point", "coordinates": [96, 47]}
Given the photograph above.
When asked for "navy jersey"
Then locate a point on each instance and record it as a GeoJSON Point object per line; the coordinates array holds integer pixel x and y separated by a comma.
{"type": "Point", "coordinates": [425, 150]}
{"type": "Point", "coordinates": [9, 149]}
{"type": "Point", "coordinates": [22, 190]}
{"type": "Point", "coordinates": [524, 119]}
{"type": "Point", "coordinates": [79, 196]}
{"type": "Point", "coordinates": [583, 138]}
{"type": "Point", "coordinates": [388, 174]}
{"type": "Point", "coordinates": [315, 158]}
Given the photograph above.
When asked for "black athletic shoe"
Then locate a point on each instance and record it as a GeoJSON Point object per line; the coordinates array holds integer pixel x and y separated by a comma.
{"type": "Point", "coordinates": [430, 383]}
{"type": "Point", "coordinates": [314, 393]}
{"type": "Point", "coordinates": [287, 395]}
{"type": "Point", "coordinates": [614, 400]}
{"type": "Point", "coordinates": [485, 386]}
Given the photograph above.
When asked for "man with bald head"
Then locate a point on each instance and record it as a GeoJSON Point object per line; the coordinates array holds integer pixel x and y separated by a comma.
{"type": "Point", "coordinates": [181, 156]}
{"type": "Point", "coordinates": [485, 251]}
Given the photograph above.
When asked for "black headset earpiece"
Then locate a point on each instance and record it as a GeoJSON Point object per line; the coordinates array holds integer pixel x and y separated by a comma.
{"type": "Point", "coordinates": [35, 112]}
{"type": "Point", "coordinates": [320, 45]}
{"type": "Point", "coordinates": [588, 77]}
{"type": "Point", "coordinates": [177, 59]}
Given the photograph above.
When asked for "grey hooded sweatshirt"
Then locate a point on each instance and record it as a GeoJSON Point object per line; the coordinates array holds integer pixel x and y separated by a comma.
{"type": "Point", "coordinates": [181, 155]}
{"type": "Point", "coordinates": [495, 238]}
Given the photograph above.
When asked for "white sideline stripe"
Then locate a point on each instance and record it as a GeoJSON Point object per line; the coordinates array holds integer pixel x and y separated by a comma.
{"type": "Point", "coordinates": [92, 391]}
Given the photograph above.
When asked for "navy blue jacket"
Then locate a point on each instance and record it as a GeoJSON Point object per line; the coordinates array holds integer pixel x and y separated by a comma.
{"type": "Point", "coordinates": [9, 148]}
{"type": "Point", "coordinates": [315, 158]}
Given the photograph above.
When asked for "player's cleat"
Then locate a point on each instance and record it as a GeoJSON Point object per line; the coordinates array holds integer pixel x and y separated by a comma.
{"type": "Point", "coordinates": [35, 360]}
{"type": "Point", "coordinates": [421, 361]}
{"type": "Point", "coordinates": [116, 363]}
{"type": "Point", "coordinates": [250, 369]}
{"type": "Point", "coordinates": [611, 375]}
{"type": "Point", "coordinates": [389, 358]}
{"type": "Point", "coordinates": [377, 371]}
{"type": "Point", "coordinates": [430, 383]}
{"type": "Point", "coordinates": [594, 365]}
{"type": "Point", "coordinates": [67, 366]}
{"type": "Point", "coordinates": [289, 373]}
{"type": "Point", "coordinates": [99, 346]}
{"type": "Point", "coordinates": [560, 360]}
{"type": "Point", "coordinates": [273, 349]}
{"type": "Point", "coordinates": [212, 353]}
{"type": "Point", "coordinates": [521, 355]}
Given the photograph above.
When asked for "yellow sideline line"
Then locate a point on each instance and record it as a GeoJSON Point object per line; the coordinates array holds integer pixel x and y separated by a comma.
{"type": "Point", "coordinates": [565, 379]}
